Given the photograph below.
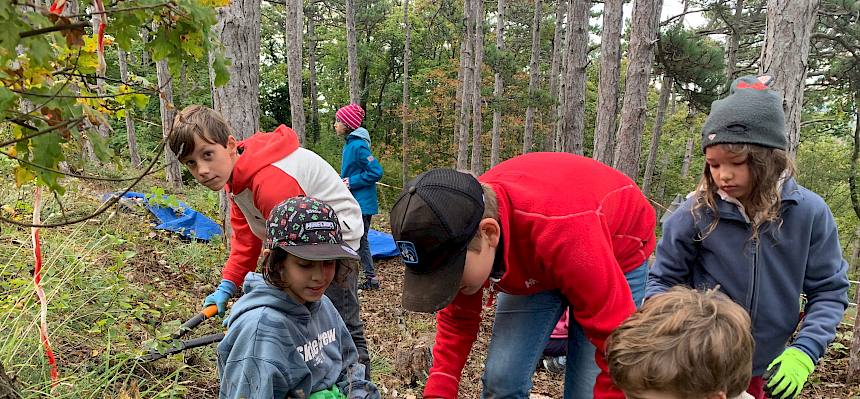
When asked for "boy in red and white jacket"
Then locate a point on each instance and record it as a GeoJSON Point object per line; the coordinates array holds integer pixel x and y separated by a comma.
{"type": "Point", "coordinates": [258, 173]}
{"type": "Point", "coordinates": [546, 230]}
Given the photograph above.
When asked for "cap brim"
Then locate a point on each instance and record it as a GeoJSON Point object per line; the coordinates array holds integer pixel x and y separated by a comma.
{"type": "Point", "coordinates": [321, 251]}
{"type": "Point", "coordinates": [430, 292]}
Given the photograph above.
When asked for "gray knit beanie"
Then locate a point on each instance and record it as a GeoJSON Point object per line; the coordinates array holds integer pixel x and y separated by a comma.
{"type": "Point", "coordinates": [751, 114]}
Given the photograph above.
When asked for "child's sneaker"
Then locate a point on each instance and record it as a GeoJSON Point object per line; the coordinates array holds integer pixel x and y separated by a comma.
{"type": "Point", "coordinates": [370, 284]}
{"type": "Point", "coordinates": [555, 365]}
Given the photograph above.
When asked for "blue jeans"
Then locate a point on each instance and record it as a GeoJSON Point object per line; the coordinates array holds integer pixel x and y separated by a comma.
{"type": "Point", "coordinates": [364, 250]}
{"type": "Point", "coordinates": [521, 330]}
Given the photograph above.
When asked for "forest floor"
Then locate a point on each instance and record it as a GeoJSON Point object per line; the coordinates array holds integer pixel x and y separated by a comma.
{"type": "Point", "coordinates": [113, 284]}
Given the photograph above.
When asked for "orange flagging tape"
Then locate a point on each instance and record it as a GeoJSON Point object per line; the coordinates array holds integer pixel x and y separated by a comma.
{"type": "Point", "coordinates": [57, 7]}
{"type": "Point", "coordinates": [37, 278]}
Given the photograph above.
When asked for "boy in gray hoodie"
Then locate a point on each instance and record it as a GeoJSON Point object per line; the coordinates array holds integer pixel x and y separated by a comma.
{"type": "Point", "coordinates": [285, 338]}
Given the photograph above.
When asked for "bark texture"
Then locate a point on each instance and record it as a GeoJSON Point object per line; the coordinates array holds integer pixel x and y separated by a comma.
{"type": "Point", "coordinates": [643, 37]}
{"type": "Point", "coordinates": [785, 56]}
{"type": "Point", "coordinates": [607, 90]}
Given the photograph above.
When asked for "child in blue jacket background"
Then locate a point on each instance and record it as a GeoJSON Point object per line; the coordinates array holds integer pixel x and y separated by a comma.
{"type": "Point", "coordinates": [360, 171]}
{"type": "Point", "coordinates": [760, 237]}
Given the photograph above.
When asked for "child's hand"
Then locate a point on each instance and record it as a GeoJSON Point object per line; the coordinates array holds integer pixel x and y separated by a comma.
{"type": "Point", "coordinates": [221, 295]}
{"type": "Point", "coordinates": [787, 374]}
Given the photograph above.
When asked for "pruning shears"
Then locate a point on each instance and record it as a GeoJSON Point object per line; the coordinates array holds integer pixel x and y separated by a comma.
{"type": "Point", "coordinates": [178, 345]}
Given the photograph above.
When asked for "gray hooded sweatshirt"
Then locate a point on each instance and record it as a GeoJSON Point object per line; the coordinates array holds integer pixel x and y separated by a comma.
{"type": "Point", "coordinates": [277, 348]}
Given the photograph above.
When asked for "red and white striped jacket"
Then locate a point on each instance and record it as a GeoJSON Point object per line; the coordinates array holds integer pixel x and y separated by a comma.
{"type": "Point", "coordinates": [272, 168]}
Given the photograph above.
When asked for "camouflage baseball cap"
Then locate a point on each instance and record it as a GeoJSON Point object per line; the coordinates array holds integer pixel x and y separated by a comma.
{"type": "Point", "coordinates": [308, 228]}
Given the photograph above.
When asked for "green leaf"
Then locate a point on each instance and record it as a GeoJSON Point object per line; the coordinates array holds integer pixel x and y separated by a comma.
{"type": "Point", "coordinates": [219, 65]}
{"type": "Point", "coordinates": [47, 153]}
{"type": "Point", "coordinates": [140, 100]}
{"type": "Point", "coordinates": [99, 146]}
{"type": "Point", "coordinates": [7, 100]}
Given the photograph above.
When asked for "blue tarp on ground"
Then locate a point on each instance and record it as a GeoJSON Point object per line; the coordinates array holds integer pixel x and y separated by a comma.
{"type": "Point", "coordinates": [192, 224]}
{"type": "Point", "coordinates": [382, 244]}
{"type": "Point", "coordinates": [187, 222]}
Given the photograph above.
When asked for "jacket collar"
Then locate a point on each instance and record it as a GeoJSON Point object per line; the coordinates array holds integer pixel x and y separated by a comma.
{"type": "Point", "coordinates": [790, 195]}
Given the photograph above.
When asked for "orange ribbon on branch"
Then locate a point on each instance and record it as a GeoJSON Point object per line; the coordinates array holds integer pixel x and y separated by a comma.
{"type": "Point", "coordinates": [40, 293]}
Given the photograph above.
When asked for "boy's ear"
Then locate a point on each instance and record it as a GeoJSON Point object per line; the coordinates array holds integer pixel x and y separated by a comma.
{"type": "Point", "coordinates": [232, 145]}
{"type": "Point", "coordinates": [718, 395]}
{"type": "Point", "coordinates": [491, 231]}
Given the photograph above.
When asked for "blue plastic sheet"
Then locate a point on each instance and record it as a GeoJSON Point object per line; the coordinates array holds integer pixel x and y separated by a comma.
{"type": "Point", "coordinates": [382, 244]}
{"type": "Point", "coordinates": [186, 221]}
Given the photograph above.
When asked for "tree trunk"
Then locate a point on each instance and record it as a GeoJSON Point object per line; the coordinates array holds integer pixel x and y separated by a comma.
{"type": "Point", "coordinates": [237, 101]}
{"type": "Point", "coordinates": [129, 119]}
{"type": "Point", "coordinates": [458, 99]}
{"type": "Point", "coordinates": [498, 86]}
{"type": "Point", "coordinates": [643, 36]}
{"type": "Point", "coordinates": [477, 120]}
{"type": "Point", "coordinates": [405, 143]}
{"type": "Point", "coordinates": [607, 91]}
{"type": "Point", "coordinates": [352, 53]}
{"type": "Point", "coordinates": [468, 87]}
{"type": "Point", "coordinates": [854, 359]}
{"type": "Point", "coordinates": [295, 20]}
{"type": "Point", "coordinates": [688, 158]}
{"type": "Point", "coordinates": [312, 79]}
{"type": "Point", "coordinates": [733, 42]}
{"type": "Point", "coordinates": [534, 71]}
{"type": "Point", "coordinates": [661, 190]}
{"type": "Point", "coordinates": [144, 55]}
{"type": "Point", "coordinates": [7, 386]}
{"type": "Point", "coordinates": [784, 55]}
{"type": "Point", "coordinates": [554, 71]}
{"type": "Point", "coordinates": [174, 175]}
{"type": "Point", "coordinates": [559, 139]}
{"type": "Point", "coordinates": [688, 152]}
{"type": "Point", "coordinates": [577, 61]}
{"type": "Point", "coordinates": [665, 89]}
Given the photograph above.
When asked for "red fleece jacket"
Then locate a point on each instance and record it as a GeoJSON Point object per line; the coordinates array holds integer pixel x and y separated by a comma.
{"type": "Point", "coordinates": [568, 223]}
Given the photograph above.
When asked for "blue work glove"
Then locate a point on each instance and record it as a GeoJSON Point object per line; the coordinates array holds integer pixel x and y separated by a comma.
{"type": "Point", "coordinates": [221, 295]}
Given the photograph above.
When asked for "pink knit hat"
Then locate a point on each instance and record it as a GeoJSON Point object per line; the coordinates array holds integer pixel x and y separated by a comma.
{"type": "Point", "coordinates": [351, 115]}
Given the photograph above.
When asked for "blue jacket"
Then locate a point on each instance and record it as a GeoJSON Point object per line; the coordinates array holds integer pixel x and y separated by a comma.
{"type": "Point", "coordinates": [766, 275]}
{"type": "Point", "coordinates": [277, 348]}
{"type": "Point", "coordinates": [362, 169]}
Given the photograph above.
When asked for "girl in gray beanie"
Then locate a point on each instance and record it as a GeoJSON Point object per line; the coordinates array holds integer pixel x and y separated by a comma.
{"type": "Point", "coordinates": [761, 238]}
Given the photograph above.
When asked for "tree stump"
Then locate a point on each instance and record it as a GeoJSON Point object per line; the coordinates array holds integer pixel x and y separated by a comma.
{"type": "Point", "coordinates": [7, 386]}
{"type": "Point", "coordinates": [412, 360]}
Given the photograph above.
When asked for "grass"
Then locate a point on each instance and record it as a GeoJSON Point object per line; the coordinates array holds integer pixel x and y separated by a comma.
{"type": "Point", "coordinates": [111, 284]}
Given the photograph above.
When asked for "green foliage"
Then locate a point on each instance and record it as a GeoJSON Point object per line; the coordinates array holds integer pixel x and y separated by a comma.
{"type": "Point", "coordinates": [49, 75]}
{"type": "Point", "coordinates": [112, 285]}
{"type": "Point", "coordinates": [690, 58]}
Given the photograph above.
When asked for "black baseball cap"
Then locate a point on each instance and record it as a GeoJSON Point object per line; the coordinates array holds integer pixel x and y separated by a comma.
{"type": "Point", "coordinates": [308, 228]}
{"type": "Point", "coordinates": [434, 219]}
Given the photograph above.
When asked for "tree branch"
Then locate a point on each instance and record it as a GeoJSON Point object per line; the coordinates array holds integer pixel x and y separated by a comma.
{"type": "Point", "coordinates": [39, 132]}
{"type": "Point", "coordinates": [83, 177]}
{"type": "Point", "coordinates": [670, 19]}
{"type": "Point", "coordinates": [116, 10]}
{"type": "Point", "coordinates": [113, 200]}
{"type": "Point", "coordinates": [54, 28]}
